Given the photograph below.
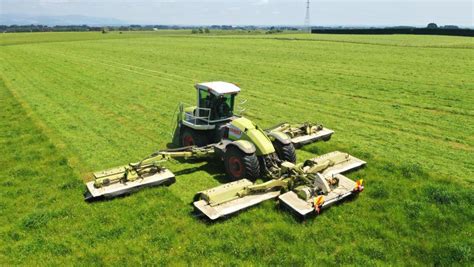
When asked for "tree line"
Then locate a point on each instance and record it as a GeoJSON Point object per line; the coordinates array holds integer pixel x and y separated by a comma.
{"type": "Point", "coordinates": [431, 29]}
{"type": "Point", "coordinates": [105, 29]}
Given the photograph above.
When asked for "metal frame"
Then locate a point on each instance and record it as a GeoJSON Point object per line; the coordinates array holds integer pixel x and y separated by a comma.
{"type": "Point", "coordinates": [191, 120]}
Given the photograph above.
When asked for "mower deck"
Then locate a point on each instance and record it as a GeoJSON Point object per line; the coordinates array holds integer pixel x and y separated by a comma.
{"type": "Point", "coordinates": [350, 163]}
{"type": "Point", "coordinates": [304, 208]}
{"type": "Point", "coordinates": [164, 177]}
{"type": "Point", "coordinates": [214, 212]}
{"type": "Point", "coordinates": [324, 134]}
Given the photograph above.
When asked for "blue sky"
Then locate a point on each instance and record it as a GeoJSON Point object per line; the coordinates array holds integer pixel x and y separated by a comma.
{"type": "Point", "coordinates": [257, 12]}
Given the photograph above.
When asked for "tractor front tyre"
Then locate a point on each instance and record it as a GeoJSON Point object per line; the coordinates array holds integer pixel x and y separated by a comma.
{"type": "Point", "coordinates": [285, 152]}
{"type": "Point", "coordinates": [191, 137]}
{"type": "Point", "coordinates": [239, 165]}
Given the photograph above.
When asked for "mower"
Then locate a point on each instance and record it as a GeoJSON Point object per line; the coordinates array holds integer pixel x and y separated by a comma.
{"type": "Point", "coordinates": [211, 130]}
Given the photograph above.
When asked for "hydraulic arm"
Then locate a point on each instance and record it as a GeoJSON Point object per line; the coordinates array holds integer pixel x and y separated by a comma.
{"type": "Point", "coordinates": [149, 165]}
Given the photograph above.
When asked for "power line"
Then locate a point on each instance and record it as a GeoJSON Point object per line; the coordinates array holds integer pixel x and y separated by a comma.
{"type": "Point", "coordinates": [307, 21]}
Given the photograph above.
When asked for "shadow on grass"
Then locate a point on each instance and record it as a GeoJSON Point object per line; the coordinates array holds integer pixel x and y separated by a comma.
{"type": "Point", "coordinates": [213, 166]}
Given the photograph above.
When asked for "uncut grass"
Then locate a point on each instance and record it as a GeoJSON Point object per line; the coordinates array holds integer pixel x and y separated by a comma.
{"type": "Point", "coordinates": [402, 40]}
{"type": "Point", "coordinates": [408, 121]}
{"type": "Point", "coordinates": [50, 37]}
{"type": "Point", "coordinates": [408, 210]}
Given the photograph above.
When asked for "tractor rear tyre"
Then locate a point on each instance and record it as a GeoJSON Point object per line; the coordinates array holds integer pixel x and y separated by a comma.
{"type": "Point", "coordinates": [191, 137]}
{"type": "Point", "coordinates": [285, 152]}
{"type": "Point", "coordinates": [239, 165]}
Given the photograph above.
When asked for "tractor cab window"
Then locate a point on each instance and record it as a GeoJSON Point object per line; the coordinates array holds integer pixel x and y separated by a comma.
{"type": "Point", "coordinates": [205, 100]}
{"type": "Point", "coordinates": [224, 105]}
{"type": "Point", "coordinates": [220, 106]}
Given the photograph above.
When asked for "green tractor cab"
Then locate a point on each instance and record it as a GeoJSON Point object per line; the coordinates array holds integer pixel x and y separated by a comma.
{"type": "Point", "coordinates": [200, 125]}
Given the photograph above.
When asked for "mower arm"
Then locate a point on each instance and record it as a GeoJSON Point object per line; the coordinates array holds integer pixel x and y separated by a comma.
{"type": "Point", "coordinates": [189, 152]}
{"type": "Point", "coordinates": [149, 165]}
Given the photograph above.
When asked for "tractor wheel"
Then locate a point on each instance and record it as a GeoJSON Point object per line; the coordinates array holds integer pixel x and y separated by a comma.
{"type": "Point", "coordinates": [285, 152]}
{"type": "Point", "coordinates": [239, 165]}
{"type": "Point", "coordinates": [191, 137]}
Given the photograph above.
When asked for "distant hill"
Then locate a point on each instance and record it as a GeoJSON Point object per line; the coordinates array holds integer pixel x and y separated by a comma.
{"type": "Point", "coordinates": [20, 19]}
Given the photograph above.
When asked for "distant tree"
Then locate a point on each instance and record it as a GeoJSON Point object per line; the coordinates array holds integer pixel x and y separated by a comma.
{"type": "Point", "coordinates": [194, 31]}
{"type": "Point", "coordinates": [200, 30]}
{"type": "Point", "coordinates": [273, 30]}
{"type": "Point", "coordinates": [450, 27]}
{"type": "Point", "coordinates": [432, 26]}
{"type": "Point", "coordinates": [206, 30]}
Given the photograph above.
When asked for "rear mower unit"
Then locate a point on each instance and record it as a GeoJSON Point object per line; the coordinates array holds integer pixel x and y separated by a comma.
{"type": "Point", "coordinates": [210, 130]}
{"type": "Point", "coordinates": [304, 188]}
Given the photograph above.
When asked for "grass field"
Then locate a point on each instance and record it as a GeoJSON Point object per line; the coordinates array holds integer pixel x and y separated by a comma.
{"type": "Point", "coordinates": [73, 103]}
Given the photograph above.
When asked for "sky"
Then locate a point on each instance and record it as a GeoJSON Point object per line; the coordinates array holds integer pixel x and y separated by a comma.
{"type": "Point", "coordinates": [255, 12]}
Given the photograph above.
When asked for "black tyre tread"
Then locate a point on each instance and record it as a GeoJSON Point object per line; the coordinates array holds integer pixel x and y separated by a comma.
{"type": "Point", "coordinates": [252, 167]}
{"type": "Point", "coordinates": [199, 138]}
{"type": "Point", "coordinates": [250, 161]}
{"type": "Point", "coordinates": [286, 152]}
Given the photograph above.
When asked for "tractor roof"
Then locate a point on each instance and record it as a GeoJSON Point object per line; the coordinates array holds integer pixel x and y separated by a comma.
{"type": "Point", "coordinates": [219, 88]}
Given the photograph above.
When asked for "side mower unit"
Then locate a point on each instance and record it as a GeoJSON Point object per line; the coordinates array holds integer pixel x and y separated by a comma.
{"type": "Point", "coordinates": [113, 182]}
{"type": "Point", "coordinates": [304, 133]}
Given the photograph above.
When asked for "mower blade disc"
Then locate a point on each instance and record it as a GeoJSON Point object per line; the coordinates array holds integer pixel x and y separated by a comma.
{"type": "Point", "coordinates": [164, 177]}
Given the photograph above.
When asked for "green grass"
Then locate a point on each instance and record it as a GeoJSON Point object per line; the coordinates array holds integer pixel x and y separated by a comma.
{"type": "Point", "coordinates": [73, 103]}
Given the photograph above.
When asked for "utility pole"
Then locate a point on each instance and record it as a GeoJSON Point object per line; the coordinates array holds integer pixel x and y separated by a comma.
{"type": "Point", "coordinates": [307, 22]}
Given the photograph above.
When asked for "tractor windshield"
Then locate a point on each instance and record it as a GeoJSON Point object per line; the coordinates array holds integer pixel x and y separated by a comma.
{"type": "Point", "coordinates": [224, 106]}
{"type": "Point", "coordinates": [220, 106]}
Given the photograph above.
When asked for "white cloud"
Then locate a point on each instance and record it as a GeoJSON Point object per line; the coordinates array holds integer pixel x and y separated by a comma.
{"type": "Point", "coordinates": [55, 1]}
{"type": "Point", "coordinates": [260, 12]}
{"type": "Point", "coordinates": [261, 2]}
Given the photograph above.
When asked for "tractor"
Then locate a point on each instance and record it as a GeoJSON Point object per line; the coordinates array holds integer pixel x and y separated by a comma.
{"type": "Point", "coordinates": [212, 130]}
{"type": "Point", "coordinates": [246, 149]}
